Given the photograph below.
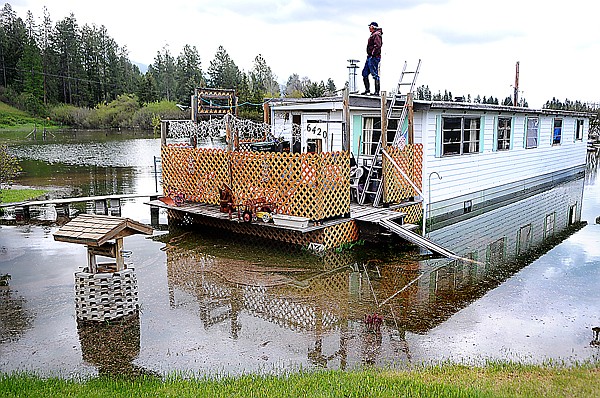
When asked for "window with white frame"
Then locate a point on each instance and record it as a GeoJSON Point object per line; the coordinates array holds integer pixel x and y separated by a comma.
{"type": "Point", "coordinates": [460, 135]}
{"type": "Point", "coordinates": [504, 127]}
{"type": "Point", "coordinates": [531, 132]}
{"type": "Point", "coordinates": [557, 132]}
{"type": "Point", "coordinates": [579, 130]}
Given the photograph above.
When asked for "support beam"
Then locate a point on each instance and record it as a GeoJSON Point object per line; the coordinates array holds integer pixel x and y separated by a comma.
{"type": "Point", "coordinates": [411, 115]}
{"type": "Point", "coordinates": [384, 121]}
{"type": "Point", "coordinates": [346, 146]}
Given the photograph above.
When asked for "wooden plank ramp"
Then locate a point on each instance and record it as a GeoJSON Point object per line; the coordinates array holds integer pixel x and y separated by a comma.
{"type": "Point", "coordinates": [421, 241]}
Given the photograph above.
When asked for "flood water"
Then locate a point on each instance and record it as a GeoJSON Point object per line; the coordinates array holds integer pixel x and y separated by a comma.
{"type": "Point", "coordinates": [215, 304]}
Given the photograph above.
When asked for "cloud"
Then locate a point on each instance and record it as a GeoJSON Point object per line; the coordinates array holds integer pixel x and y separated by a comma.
{"type": "Point", "coordinates": [291, 11]}
{"type": "Point", "coordinates": [455, 37]}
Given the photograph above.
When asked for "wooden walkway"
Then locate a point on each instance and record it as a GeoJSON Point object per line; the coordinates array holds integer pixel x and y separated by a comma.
{"type": "Point", "coordinates": [364, 213]}
{"type": "Point", "coordinates": [358, 212]}
{"type": "Point", "coordinates": [63, 201]}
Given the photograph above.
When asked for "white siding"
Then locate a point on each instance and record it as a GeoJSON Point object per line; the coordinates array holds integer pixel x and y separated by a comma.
{"type": "Point", "coordinates": [472, 173]}
{"type": "Point", "coordinates": [282, 126]}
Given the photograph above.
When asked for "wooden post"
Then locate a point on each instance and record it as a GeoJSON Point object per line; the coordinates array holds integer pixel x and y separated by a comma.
{"type": "Point", "coordinates": [411, 114]}
{"type": "Point", "coordinates": [346, 139]}
{"type": "Point", "coordinates": [119, 254]}
{"type": "Point", "coordinates": [383, 120]}
{"type": "Point", "coordinates": [163, 132]}
{"type": "Point", "coordinates": [228, 132]}
{"type": "Point", "coordinates": [266, 118]}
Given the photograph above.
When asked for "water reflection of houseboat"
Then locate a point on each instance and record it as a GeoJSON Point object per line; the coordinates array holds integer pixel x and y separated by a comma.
{"type": "Point", "coordinates": [329, 303]}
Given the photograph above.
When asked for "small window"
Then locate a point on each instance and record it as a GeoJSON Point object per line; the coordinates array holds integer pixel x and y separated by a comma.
{"type": "Point", "coordinates": [579, 130]}
{"type": "Point", "coordinates": [460, 135]}
{"type": "Point", "coordinates": [531, 138]}
{"type": "Point", "coordinates": [557, 132]}
{"type": "Point", "coordinates": [504, 127]}
{"type": "Point", "coordinates": [467, 206]}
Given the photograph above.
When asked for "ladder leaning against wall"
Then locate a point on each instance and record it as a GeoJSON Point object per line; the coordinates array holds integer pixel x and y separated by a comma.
{"type": "Point", "coordinates": [398, 111]}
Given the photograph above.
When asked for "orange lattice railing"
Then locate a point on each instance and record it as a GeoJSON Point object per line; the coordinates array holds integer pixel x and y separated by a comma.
{"type": "Point", "coordinates": [316, 186]}
{"type": "Point", "coordinates": [410, 159]}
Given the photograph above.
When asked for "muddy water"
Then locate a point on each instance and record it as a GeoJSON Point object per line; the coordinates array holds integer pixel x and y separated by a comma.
{"type": "Point", "coordinates": [212, 304]}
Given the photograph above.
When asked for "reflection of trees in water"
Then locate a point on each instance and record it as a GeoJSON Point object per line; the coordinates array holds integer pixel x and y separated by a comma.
{"type": "Point", "coordinates": [112, 346]}
{"type": "Point", "coordinates": [14, 317]}
{"type": "Point", "coordinates": [80, 180]}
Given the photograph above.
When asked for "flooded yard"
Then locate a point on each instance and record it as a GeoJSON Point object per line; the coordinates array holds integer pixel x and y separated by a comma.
{"type": "Point", "coordinates": [216, 304]}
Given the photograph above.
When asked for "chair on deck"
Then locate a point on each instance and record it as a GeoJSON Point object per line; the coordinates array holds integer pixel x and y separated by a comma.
{"type": "Point", "coordinates": [355, 176]}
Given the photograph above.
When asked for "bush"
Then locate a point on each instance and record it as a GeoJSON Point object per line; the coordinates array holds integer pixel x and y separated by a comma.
{"type": "Point", "coordinates": [124, 112]}
{"type": "Point", "coordinates": [166, 110]}
{"type": "Point", "coordinates": [117, 113]}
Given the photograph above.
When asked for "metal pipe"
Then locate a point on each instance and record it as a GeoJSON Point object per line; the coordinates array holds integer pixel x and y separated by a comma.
{"type": "Point", "coordinates": [429, 199]}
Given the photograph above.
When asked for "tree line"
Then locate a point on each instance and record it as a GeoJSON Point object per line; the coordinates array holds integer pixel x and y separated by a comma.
{"type": "Point", "coordinates": [43, 64]}
{"type": "Point", "coordinates": [83, 77]}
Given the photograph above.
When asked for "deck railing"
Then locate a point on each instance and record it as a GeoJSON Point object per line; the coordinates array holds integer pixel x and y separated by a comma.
{"type": "Point", "coordinates": [410, 159]}
{"type": "Point", "coordinates": [316, 186]}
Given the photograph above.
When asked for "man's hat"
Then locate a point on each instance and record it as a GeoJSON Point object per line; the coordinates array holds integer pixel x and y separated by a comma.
{"type": "Point", "coordinates": [374, 24]}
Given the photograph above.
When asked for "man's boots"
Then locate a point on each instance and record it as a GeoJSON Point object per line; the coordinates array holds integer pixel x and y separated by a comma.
{"type": "Point", "coordinates": [367, 86]}
{"type": "Point", "coordinates": [377, 82]}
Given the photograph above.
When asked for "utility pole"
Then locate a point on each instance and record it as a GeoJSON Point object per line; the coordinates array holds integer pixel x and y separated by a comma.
{"type": "Point", "coordinates": [516, 95]}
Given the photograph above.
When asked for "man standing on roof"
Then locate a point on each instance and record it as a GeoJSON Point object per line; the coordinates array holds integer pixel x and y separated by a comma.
{"type": "Point", "coordinates": [373, 57]}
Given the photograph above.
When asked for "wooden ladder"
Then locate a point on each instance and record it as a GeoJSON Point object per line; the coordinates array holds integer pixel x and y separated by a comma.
{"type": "Point", "coordinates": [398, 106]}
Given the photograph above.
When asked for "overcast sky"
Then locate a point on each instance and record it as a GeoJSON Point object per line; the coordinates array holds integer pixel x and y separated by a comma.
{"type": "Point", "coordinates": [466, 46]}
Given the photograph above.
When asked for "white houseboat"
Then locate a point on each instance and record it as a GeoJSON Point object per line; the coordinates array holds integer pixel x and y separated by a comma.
{"type": "Point", "coordinates": [475, 156]}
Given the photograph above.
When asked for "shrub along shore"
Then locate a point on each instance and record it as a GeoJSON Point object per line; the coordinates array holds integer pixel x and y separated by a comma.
{"type": "Point", "coordinates": [447, 380]}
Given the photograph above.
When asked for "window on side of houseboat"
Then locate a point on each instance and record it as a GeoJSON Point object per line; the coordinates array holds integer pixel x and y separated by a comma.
{"type": "Point", "coordinates": [531, 139]}
{"type": "Point", "coordinates": [504, 128]}
{"type": "Point", "coordinates": [557, 132]}
{"type": "Point", "coordinates": [460, 135]}
{"type": "Point", "coordinates": [579, 130]}
{"type": "Point", "coordinates": [451, 134]}
{"type": "Point", "coordinates": [471, 135]}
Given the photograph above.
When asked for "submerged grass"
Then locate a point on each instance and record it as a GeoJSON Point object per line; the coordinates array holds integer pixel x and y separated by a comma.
{"type": "Point", "coordinates": [493, 380]}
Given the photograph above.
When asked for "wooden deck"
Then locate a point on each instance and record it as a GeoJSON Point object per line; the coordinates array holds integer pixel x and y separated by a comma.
{"type": "Point", "coordinates": [365, 213]}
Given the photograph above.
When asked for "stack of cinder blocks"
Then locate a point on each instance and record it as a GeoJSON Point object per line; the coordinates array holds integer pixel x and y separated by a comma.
{"type": "Point", "coordinates": [105, 296]}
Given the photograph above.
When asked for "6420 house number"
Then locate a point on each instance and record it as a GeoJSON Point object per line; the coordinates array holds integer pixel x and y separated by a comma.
{"type": "Point", "coordinates": [317, 130]}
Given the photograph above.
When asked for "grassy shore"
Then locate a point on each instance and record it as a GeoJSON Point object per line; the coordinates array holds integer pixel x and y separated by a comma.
{"type": "Point", "coordinates": [493, 380]}
{"type": "Point", "coordinates": [19, 195]}
{"type": "Point", "coordinates": [17, 124]}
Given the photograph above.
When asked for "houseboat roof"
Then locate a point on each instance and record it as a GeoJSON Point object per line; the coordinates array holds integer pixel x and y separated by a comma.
{"type": "Point", "coordinates": [357, 101]}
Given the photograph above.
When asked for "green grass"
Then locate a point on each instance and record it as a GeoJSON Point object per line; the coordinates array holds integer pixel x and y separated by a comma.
{"type": "Point", "coordinates": [494, 380]}
{"type": "Point", "coordinates": [19, 195]}
{"type": "Point", "coordinates": [13, 122]}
